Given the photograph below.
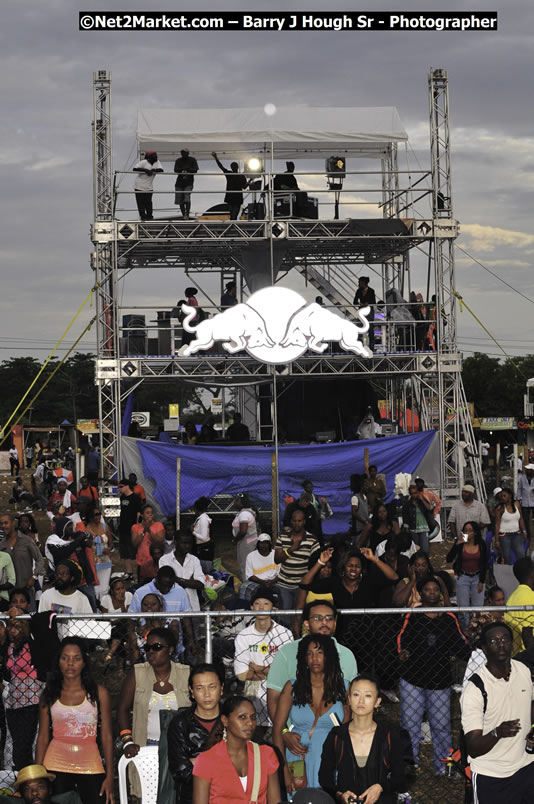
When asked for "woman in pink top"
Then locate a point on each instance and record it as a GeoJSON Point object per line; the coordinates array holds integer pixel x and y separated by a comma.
{"type": "Point", "coordinates": [77, 711]}
{"type": "Point", "coordinates": [145, 534]}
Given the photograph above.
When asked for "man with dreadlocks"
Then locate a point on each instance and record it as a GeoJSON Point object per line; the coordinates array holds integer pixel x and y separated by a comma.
{"type": "Point", "coordinates": [314, 701]}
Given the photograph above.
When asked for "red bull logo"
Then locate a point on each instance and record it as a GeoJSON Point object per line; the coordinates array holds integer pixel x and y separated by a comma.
{"type": "Point", "coordinates": [276, 325]}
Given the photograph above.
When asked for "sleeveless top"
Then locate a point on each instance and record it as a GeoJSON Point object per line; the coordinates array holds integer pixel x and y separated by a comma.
{"type": "Point", "coordinates": [509, 522]}
{"type": "Point", "coordinates": [73, 747]}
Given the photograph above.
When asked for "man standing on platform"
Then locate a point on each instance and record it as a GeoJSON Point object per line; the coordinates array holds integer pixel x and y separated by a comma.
{"type": "Point", "coordinates": [144, 183]}
{"type": "Point", "coordinates": [186, 166]}
{"type": "Point", "coordinates": [525, 495]}
{"type": "Point", "coordinates": [236, 182]}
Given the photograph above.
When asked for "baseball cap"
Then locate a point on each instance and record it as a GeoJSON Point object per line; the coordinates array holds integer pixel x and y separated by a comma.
{"type": "Point", "coordinates": [264, 537]}
{"type": "Point", "coordinates": [468, 487]}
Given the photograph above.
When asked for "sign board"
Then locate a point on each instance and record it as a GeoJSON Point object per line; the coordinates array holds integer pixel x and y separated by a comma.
{"type": "Point", "coordinates": [276, 326]}
{"type": "Point", "coordinates": [171, 425]}
{"type": "Point", "coordinates": [142, 417]}
{"type": "Point", "coordinates": [174, 411]}
{"type": "Point", "coordinates": [498, 423]}
{"type": "Point", "coordinates": [216, 405]}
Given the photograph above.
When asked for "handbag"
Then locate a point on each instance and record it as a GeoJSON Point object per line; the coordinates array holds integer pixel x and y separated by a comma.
{"type": "Point", "coordinates": [257, 773]}
{"type": "Point", "coordinates": [297, 769]}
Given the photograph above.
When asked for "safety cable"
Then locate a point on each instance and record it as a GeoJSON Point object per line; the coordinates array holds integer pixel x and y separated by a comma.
{"type": "Point", "coordinates": [463, 304]}
{"type": "Point", "coordinates": [50, 356]}
{"type": "Point", "coordinates": [43, 386]}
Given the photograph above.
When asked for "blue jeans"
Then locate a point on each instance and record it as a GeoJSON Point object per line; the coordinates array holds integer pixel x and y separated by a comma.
{"type": "Point", "coordinates": [421, 539]}
{"type": "Point", "coordinates": [467, 594]}
{"type": "Point", "coordinates": [509, 542]}
{"type": "Point", "coordinates": [287, 599]}
{"type": "Point", "coordinates": [414, 701]}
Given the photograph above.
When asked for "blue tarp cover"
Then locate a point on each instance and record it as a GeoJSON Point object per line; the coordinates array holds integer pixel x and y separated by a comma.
{"type": "Point", "coordinates": [209, 470]}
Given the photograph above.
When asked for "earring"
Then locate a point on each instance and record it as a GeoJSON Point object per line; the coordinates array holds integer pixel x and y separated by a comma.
{"type": "Point", "coordinates": [224, 734]}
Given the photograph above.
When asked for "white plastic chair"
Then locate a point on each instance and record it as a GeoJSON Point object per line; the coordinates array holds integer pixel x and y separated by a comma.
{"type": "Point", "coordinates": [147, 766]}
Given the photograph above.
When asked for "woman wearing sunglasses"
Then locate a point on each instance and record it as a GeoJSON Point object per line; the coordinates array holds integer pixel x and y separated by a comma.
{"type": "Point", "coordinates": [156, 685]}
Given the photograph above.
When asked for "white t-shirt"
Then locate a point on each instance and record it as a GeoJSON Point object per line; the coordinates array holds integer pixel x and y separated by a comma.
{"type": "Point", "coordinates": [107, 603]}
{"type": "Point", "coordinates": [191, 569]}
{"type": "Point", "coordinates": [252, 645]}
{"type": "Point", "coordinates": [14, 453]}
{"type": "Point", "coordinates": [507, 700]}
{"type": "Point", "coordinates": [201, 528]}
{"type": "Point", "coordinates": [263, 567]}
{"type": "Point", "coordinates": [245, 516]}
{"type": "Point", "coordinates": [145, 183]}
{"type": "Point", "coordinates": [76, 603]}
{"type": "Point", "coordinates": [381, 549]}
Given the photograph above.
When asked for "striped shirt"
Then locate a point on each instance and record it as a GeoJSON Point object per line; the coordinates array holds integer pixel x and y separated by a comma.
{"type": "Point", "coordinates": [295, 568]}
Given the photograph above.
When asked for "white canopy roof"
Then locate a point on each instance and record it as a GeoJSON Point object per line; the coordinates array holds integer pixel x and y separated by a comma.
{"type": "Point", "coordinates": [293, 132]}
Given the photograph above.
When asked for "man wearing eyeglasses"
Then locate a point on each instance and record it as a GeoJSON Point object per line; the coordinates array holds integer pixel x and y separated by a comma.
{"type": "Point", "coordinates": [318, 617]}
{"type": "Point", "coordinates": [497, 712]}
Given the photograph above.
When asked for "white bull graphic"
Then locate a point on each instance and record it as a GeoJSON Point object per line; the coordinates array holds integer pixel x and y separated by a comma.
{"type": "Point", "coordinates": [238, 327]}
{"type": "Point", "coordinates": [312, 326]}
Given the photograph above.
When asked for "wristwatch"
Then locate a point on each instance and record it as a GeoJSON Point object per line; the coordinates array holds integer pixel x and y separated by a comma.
{"type": "Point", "coordinates": [493, 733]}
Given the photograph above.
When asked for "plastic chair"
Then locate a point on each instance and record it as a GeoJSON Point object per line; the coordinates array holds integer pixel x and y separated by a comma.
{"type": "Point", "coordinates": [147, 766]}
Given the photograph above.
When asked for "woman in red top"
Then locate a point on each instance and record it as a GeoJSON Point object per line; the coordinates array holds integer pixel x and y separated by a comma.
{"type": "Point", "coordinates": [226, 771]}
{"type": "Point", "coordinates": [145, 534]}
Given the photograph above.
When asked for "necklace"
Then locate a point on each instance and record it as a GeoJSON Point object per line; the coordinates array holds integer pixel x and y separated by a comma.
{"type": "Point", "coordinates": [162, 682]}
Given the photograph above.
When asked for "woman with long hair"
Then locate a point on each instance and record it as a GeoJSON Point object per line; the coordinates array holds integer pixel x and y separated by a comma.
{"type": "Point", "coordinates": [144, 534]}
{"type": "Point", "coordinates": [510, 531]}
{"type": "Point", "coordinates": [190, 729]}
{"type": "Point", "coordinates": [234, 769]}
{"type": "Point", "coordinates": [74, 714]}
{"type": "Point", "coordinates": [362, 759]}
{"type": "Point", "coordinates": [381, 527]}
{"type": "Point", "coordinates": [312, 701]}
{"type": "Point", "coordinates": [470, 562]}
{"type": "Point", "coordinates": [100, 550]}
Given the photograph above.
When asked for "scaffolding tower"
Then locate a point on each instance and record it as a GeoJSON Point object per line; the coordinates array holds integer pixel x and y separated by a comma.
{"type": "Point", "coordinates": [325, 252]}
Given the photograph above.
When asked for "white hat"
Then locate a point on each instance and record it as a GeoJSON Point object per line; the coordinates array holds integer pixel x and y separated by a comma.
{"type": "Point", "coordinates": [529, 466]}
{"type": "Point", "coordinates": [497, 490]}
{"type": "Point", "coordinates": [264, 537]}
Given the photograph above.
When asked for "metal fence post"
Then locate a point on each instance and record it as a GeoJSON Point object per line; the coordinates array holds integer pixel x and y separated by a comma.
{"type": "Point", "coordinates": [209, 645]}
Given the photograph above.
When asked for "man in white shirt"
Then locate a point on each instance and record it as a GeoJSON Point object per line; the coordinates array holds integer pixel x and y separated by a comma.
{"type": "Point", "coordinates": [63, 597]}
{"type": "Point", "coordinates": [144, 182]}
{"type": "Point", "coordinates": [14, 461]}
{"type": "Point", "coordinates": [187, 568]}
{"type": "Point", "coordinates": [497, 713]}
{"type": "Point", "coordinates": [260, 565]}
{"type": "Point", "coordinates": [255, 648]}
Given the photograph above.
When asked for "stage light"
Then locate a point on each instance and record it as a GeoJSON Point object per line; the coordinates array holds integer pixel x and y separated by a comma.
{"type": "Point", "coordinates": [335, 172]}
{"type": "Point", "coordinates": [253, 165]}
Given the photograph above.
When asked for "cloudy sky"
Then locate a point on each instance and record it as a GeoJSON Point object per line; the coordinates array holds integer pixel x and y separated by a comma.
{"type": "Point", "coordinates": [47, 67]}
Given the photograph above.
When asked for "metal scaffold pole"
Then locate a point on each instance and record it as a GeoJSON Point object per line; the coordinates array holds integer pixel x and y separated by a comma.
{"type": "Point", "coordinates": [103, 261]}
{"type": "Point", "coordinates": [455, 427]}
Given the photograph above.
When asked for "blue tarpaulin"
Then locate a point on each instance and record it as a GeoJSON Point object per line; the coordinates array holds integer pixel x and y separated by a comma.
{"type": "Point", "coordinates": [210, 470]}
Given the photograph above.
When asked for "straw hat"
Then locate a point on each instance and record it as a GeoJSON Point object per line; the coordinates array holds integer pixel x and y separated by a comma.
{"type": "Point", "coordinates": [30, 773]}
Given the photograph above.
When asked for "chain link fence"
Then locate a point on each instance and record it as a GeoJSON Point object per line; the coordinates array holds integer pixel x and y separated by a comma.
{"type": "Point", "coordinates": [421, 658]}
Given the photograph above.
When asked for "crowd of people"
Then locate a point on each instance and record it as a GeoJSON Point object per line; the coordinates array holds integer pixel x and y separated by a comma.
{"type": "Point", "coordinates": [291, 700]}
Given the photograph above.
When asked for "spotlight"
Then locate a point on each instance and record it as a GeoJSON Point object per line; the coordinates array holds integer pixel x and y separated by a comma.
{"type": "Point", "coordinates": [335, 172]}
{"type": "Point", "coordinates": [253, 165]}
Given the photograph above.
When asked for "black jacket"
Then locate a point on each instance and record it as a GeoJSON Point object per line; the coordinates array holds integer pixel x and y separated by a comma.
{"type": "Point", "coordinates": [409, 515]}
{"type": "Point", "coordinates": [339, 770]}
{"type": "Point", "coordinates": [186, 739]}
{"type": "Point", "coordinates": [455, 554]}
{"type": "Point", "coordinates": [431, 642]}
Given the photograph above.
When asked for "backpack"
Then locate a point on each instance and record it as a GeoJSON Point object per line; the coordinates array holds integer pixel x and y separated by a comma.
{"type": "Point", "coordinates": [460, 757]}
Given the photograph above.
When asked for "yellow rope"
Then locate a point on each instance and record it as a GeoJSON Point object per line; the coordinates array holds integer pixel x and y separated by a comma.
{"type": "Point", "coordinates": [56, 369]}
{"type": "Point", "coordinates": [50, 356]}
{"type": "Point", "coordinates": [462, 304]}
